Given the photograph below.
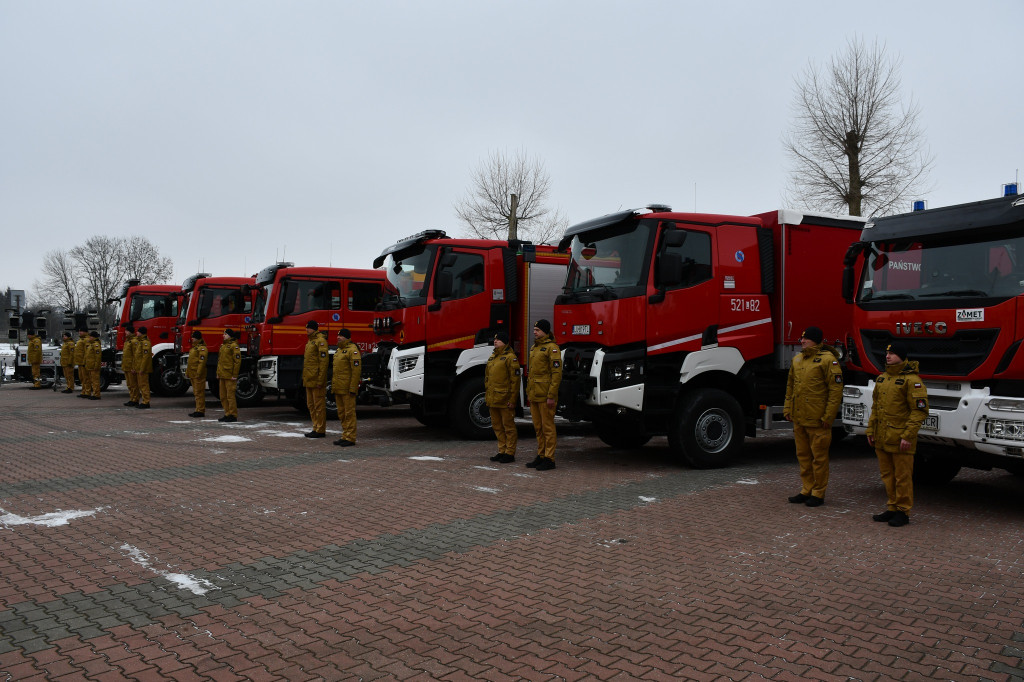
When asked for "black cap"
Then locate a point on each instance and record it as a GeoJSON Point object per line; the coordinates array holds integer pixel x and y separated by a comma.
{"type": "Point", "coordinates": [544, 326]}
{"type": "Point", "coordinates": [130, 327]}
{"type": "Point", "coordinates": [141, 330]}
{"type": "Point", "coordinates": [230, 332]}
{"type": "Point", "coordinates": [813, 334]}
{"type": "Point", "coordinates": [67, 335]}
{"type": "Point", "coordinates": [502, 336]}
{"type": "Point", "coordinates": [897, 348]}
{"type": "Point", "coordinates": [94, 334]}
{"type": "Point", "coordinates": [197, 335]}
{"type": "Point", "coordinates": [345, 332]}
{"type": "Point", "coordinates": [312, 325]}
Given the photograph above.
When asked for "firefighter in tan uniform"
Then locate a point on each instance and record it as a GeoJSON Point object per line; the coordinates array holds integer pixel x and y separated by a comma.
{"type": "Point", "coordinates": [345, 384]}
{"type": "Point", "coordinates": [129, 357]}
{"type": "Point", "coordinates": [814, 393]}
{"type": "Point", "coordinates": [543, 379]}
{"type": "Point", "coordinates": [67, 362]}
{"type": "Point", "coordinates": [143, 366]}
{"type": "Point", "coordinates": [899, 406]}
{"type": "Point", "coordinates": [229, 364]}
{"type": "Point", "coordinates": [34, 355]}
{"type": "Point", "coordinates": [501, 390]}
{"type": "Point", "coordinates": [195, 370]}
{"type": "Point", "coordinates": [93, 362]}
{"type": "Point", "coordinates": [83, 376]}
{"type": "Point", "coordinates": [315, 361]}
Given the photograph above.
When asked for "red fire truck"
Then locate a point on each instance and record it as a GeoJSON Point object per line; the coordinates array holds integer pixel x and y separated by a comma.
{"type": "Point", "coordinates": [949, 283]}
{"type": "Point", "coordinates": [211, 305]}
{"type": "Point", "coordinates": [445, 300]}
{"type": "Point", "coordinates": [287, 297]}
{"type": "Point", "coordinates": [155, 307]}
{"type": "Point", "coordinates": [685, 324]}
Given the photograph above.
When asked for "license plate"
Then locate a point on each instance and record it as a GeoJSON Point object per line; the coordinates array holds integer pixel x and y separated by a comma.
{"type": "Point", "coordinates": [581, 329]}
{"type": "Point", "coordinates": [931, 422]}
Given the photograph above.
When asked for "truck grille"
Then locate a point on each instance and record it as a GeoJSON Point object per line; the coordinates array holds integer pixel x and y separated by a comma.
{"type": "Point", "coordinates": [955, 355]}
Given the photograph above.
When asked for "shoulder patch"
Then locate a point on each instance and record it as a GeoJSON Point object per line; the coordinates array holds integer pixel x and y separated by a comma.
{"type": "Point", "coordinates": [839, 378]}
{"type": "Point", "coordinates": [917, 385]}
{"type": "Point", "coordinates": [556, 363]}
{"type": "Point", "coordinates": [518, 372]}
{"type": "Point", "coordinates": [355, 363]}
{"type": "Point", "coordinates": [921, 403]}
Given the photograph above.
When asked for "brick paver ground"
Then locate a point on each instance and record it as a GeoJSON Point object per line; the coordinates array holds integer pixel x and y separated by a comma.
{"type": "Point", "coordinates": [146, 545]}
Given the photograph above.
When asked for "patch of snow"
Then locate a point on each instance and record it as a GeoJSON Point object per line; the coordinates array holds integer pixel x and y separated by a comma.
{"type": "Point", "coordinates": [648, 499]}
{"type": "Point", "coordinates": [182, 580]}
{"type": "Point", "coordinates": [748, 481]}
{"type": "Point", "coordinates": [226, 439]}
{"type": "Point", "coordinates": [486, 490]}
{"type": "Point", "coordinates": [57, 518]}
{"type": "Point", "coordinates": [428, 458]}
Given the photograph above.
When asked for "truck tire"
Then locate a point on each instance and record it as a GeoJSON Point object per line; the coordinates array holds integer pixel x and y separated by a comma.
{"type": "Point", "coordinates": [167, 379]}
{"type": "Point", "coordinates": [433, 420]}
{"type": "Point", "coordinates": [469, 412]}
{"type": "Point", "coordinates": [707, 430]}
{"type": "Point", "coordinates": [934, 469]}
{"type": "Point", "coordinates": [621, 433]}
{"type": "Point", "coordinates": [104, 380]}
{"type": "Point", "coordinates": [331, 402]}
{"type": "Point", "coordinates": [248, 391]}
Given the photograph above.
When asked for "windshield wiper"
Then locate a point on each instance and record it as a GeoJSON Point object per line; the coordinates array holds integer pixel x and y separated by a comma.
{"type": "Point", "coordinates": [889, 297]}
{"type": "Point", "coordinates": [958, 292]}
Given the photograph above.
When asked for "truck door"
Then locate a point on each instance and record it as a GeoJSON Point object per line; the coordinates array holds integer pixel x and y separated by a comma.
{"type": "Point", "coordinates": [689, 311]}
{"type": "Point", "coordinates": [459, 299]}
{"type": "Point", "coordinates": [361, 298]}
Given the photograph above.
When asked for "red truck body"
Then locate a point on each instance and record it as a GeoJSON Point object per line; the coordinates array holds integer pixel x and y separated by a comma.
{"type": "Point", "coordinates": [949, 284]}
{"type": "Point", "coordinates": [210, 305]}
{"type": "Point", "coordinates": [155, 307]}
{"type": "Point", "coordinates": [445, 301]}
{"type": "Point", "coordinates": [684, 324]}
{"type": "Point", "coordinates": [288, 297]}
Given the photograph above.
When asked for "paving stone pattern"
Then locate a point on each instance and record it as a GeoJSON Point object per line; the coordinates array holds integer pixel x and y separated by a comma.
{"type": "Point", "coordinates": [209, 551]}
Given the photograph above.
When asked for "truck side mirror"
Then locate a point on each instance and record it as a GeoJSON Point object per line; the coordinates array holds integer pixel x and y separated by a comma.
{"type": "Point", "coordinates": [848, 284]}
{"type": "Point", "coordinates": [670, 270]}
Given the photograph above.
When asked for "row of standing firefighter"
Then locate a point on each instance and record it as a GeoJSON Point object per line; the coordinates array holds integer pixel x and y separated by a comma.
{"type": "Point", "coordinates": [814, 393]}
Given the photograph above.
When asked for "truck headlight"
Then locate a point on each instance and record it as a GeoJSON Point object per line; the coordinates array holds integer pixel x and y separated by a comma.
{"type": "Point", "coordinates": [1005, 429]}
{"type": "Point", "coordinates": [852, 392]}
{"type": "Point", "coordinates": [1006, 404]}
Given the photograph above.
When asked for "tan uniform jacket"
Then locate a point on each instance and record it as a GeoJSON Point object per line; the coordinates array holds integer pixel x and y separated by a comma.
{"type": "Point", "coordinates": [501, 378]}
{"type": "Point", "coordinates": [814, 390]}
{"type": "Point", "coordinates": [314, 362]}
{"type": "Point", "coordinates": [229, 360]}
{"type": "Point", "coordinates": [93, 354]}
{"type": "Point", "coordinates": [35, 351]}
{"type": "Point", "coordinates": [196, 368]}
{"type": "Point", "coordinates": [545, 370]}
{"type": "Point", "coordinates": [144, 355]}
{"type": "Point", "coordinates": [67, 354]}
{"type": "Point", "coordinates": [130, 354]}
{"type": "Point", "coordinates": [80, 345]}
{"type": "Point", "coordinates": [347, 369]}
{"type": "Point", "coordinates": [899, 405]}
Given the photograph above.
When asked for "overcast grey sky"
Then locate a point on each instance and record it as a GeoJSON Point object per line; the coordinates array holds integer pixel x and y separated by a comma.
{"type": "Point", "coordinates": [234, 133]}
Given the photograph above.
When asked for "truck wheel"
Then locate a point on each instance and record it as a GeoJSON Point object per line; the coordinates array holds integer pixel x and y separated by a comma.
{"type": "Point", "coordinates": [104, 380]}
{"type": "Point", "coordinates": [214, 386]}
{"type": "Point", "coordinates": [434, 420]}
{"type": "Point", "coordinates": [331, 402]}
{"type": "Point", "coordinates": [167, 379]}
{"type": "Point", "coordinates": [707, 430]}
{"type": "Point", "coordinates": [298, 399]}
{"type": "Point", "coordinates": [469, 412]}
{"type": "Point", "coordinates": [620, 432]}
{"type": "Point", "coordinates": [248, 391]}
{"type": "Point", "coordinates": [934, 469]}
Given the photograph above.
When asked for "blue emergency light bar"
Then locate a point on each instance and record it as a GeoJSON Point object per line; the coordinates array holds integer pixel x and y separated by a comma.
{"type": "Point", "coordinates": [1010, 189]}
{"type": "Point", "coordinates": [919, 205]}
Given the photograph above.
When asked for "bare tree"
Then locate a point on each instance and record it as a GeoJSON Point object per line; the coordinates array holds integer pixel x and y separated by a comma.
{"type": "Point", "coordinates": [486, 210]}
{"type": "Point", "coordinates": [143, 261]}
{"type": "Point", "coordinates": [60, 285]}
{"type": "Point", "coordinates": [855, 145]}
{"type": "Point", "coordinates": [101, 263]}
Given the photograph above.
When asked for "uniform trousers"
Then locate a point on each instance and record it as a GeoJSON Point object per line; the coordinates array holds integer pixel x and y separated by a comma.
{"type": "Point", "coordinates": [143, 381]}
{"type": "Point", "coordinates": [812, 443]}
{"type": "Point", "coordinates": [897, 469]}
{"type": "Point", "coordinates": [544, 424]}
{"type": "Point", "coordinates": [83, 376]}
{"type": "Point", "coordinates": [69, 376]}
{"type": "Point", "coordinates": [228, 399]}
{"type": "Point", "coordinates": [94, 381]}
{"type": "Point", "coordinates": [199, 389]}
{"type": "Point", "coordinates": [316, 401]}
{"type": "Point", "coordinates": [131, 379]}
{"type": "Point", "coordinates": [347, 415]}
{"type": "Point", "coordinates": [503, 421]}
{"type": "Point", "coordinates": [35, 374]}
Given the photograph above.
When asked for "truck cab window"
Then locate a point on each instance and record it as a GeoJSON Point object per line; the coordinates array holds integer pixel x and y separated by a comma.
{"type": "Point", "coordinates": [364, 296]}
{"type": "Point", "coordinates": [695, 253]}
{"type": "Point", "coordinates": [467, 275]}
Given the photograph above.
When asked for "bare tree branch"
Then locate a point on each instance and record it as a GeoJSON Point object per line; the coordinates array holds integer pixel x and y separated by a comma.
{"type": "Point", "coordinates": [144, 263]}
{"type": "Point", "coordinates": [855, 146]}
{"type": "Point", "coordinates": [60, 286]}
{"type": "Point", "coordinates": [486, 210]}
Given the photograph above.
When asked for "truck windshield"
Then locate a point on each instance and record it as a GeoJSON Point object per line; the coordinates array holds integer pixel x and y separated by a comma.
{"type": "Point", "coordinates": [183, 312]}
{"type": "Point", "coordinates": [610, 258]}
{"type": "Point", "coordinates": [216, 302]}
{"type": "Point", "coordinates": [148, 306]}
{"type": "Point", "coordinates": [407, 277]}
{"type": "Point", "coordinates": [260, 306]}
{"type": "Point", "coordinates": [928, 270]}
